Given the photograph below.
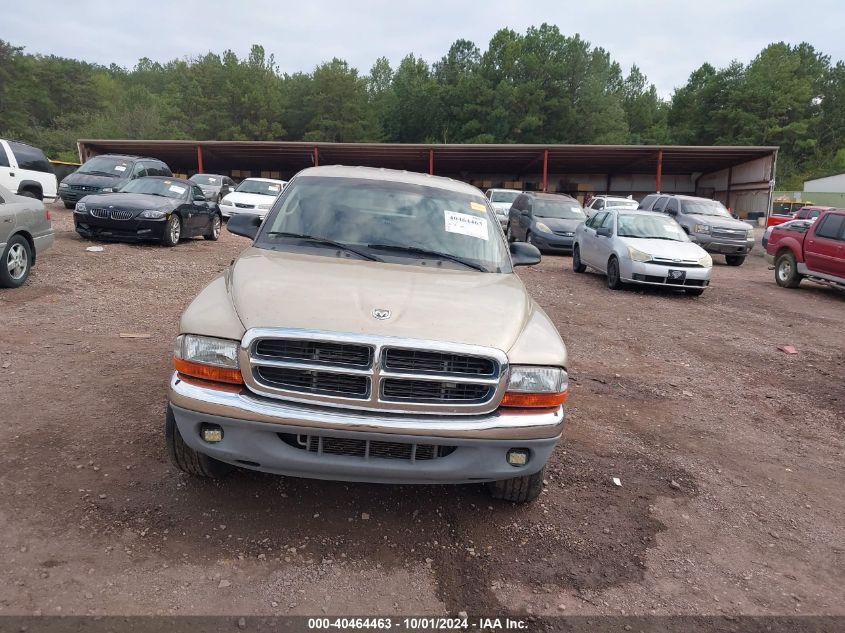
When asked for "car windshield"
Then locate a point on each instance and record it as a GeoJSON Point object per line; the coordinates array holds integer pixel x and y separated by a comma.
{"type": "Point", "coordinates": [503, 196]}
{"type": "Point", "coordinates": [106, 166]}
{"type": "Point", "coordinates": [205, 179]}
{"type": "Point", "coordinates": [156, 187]}
{"type": "Point", "coordinates": [260, 186]}
{"type": "Point", "coordinates": [400, 221]}
{"type": "Point", "coordinates": [561, 209]}
{"type": "Point", "coordinates": [704, 207]}
{"type": "Point", "coordinates": [653, 227]}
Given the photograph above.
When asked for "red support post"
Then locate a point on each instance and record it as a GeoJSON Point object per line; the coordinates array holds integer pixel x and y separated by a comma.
{"type": "Point", "coordinates": [545, 170]}
{"type": "Point", "coordinates": [659, 170]}
{"type": "Point", "coordinates": [316, 157]}
{"type": "Point", "coordinates": [431, 161]}
{"type": "Point", "coordinates": [199, 160]}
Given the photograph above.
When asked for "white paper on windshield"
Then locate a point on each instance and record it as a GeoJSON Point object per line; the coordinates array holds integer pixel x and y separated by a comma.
{"type": "Point", "coordinates": [274, 187]}
{"type": "Point", "coordinates": [210, 180]}
{"type": "Point", "coordinates": [120, 167]}
{"type": "Point", "coordinates": [466, 224]}
{"type": "Point", "coordinates": [177, 189]}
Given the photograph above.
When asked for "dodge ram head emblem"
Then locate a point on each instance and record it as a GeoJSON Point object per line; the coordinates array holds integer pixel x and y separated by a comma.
{"type": "Point", "coordinates": [381, 314]}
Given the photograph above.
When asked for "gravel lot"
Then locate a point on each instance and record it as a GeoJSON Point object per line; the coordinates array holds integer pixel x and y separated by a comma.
{"type": "Point", "coordinates": [730, 454]}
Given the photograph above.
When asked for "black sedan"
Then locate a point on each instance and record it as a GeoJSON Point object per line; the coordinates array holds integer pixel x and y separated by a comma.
{"type": "Point", "coordinates": [150, 208]}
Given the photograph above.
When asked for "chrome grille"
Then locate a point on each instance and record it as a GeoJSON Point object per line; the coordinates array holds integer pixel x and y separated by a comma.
{"type": "Point", "coordinates": [114, 214]}
{"type": "Point", "coordinates": [100, 213]}
{"type": "Point", "coordinates": [373, 372]}
{"type": "Point", "coordinates": [681, 264]}
{"type": "Point", "coordinates": [367, 449]}
{"type": "Point", "coordinates": [241, 205]}
{"type": "Point", "coordinates": [565, 233]}
{"type": "Point", "coordinates": [121, 215]}
{"type": "Point", "coordinates": [729, 234]}
{"type": "Point", "coordinates": [84, 188]}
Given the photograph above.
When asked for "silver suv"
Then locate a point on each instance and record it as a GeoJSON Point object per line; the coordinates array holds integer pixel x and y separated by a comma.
{"type": "Point", "coordinates": [707, 222]}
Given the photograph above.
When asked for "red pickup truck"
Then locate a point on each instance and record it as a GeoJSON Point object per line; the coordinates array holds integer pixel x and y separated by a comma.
{"type": "Point", "coordinates": [817, 253]}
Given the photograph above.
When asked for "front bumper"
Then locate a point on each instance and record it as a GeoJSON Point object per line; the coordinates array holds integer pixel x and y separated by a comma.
{"type": "Point", "coordinates": [130, 230]}
{"type": "Point", "coordinates": [723, 246]}
{"type": "Point", "coordinates": [228, 211]}
{"type": "Point", "coordinates": [659, 275]}
{"type": "Point", "coordinates": [550, 242]}
{"type": "Point", "coordinates": [476, 445]}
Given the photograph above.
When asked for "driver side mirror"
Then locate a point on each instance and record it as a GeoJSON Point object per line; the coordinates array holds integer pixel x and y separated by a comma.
{"type": "Point", "coordinates": [524, 254]}
{"type": "Point", "coordinates": [199, 198]}
{"type": "Point", "coordinates": [604, 231]}
{"type": "Point", "coordinates": [244, 224]}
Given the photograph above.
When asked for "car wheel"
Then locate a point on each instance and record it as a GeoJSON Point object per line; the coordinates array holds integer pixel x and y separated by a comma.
{"type": "Point", "coordinates": [694, 292]}
{"type": "Point", "coordinates": [187, 459]}
{"type": "Point", "coordinates": [29, 193]}
{"type": "Point", "coordinates": [216, 223]}
{"type": "Point", "coordinates": [577, 265]}
{"type": "Point", "coordinates": [786, 271]}
{"type": "Point", "coordinates": [734, 260]}
{"type": "Point", "coordinates": [172, 231]}
{"type": "Point", "coordinates": [70, 205]}
{"type": "Point", "coordinates": [614, 280]}
{"type": "Point", "coordinates": [518, 489]}
{"type": "Point", "coordinates": [15, 263]}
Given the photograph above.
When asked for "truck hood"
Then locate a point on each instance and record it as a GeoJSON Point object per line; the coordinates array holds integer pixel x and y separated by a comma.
{"type": "Point", "coordinates": [339, 294]}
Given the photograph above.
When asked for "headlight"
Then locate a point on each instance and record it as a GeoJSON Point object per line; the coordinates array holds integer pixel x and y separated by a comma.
{"type": "Point", "coordinates": [63, 186]}
{"type": "Point", "coordinates": [207, 358]}
{"type": "Point", "coordinates": [536, 387]}
{"type": "Point", "coordinates": [706, 261]}
{"type": "Point", "coordinates": [542, 227]}
{"type": "Point", "coordinates": [750, 234]}
{"type": "Point", "coordinates": [152, 214]}
{"type": "Point", "coordinates": [638, 255]}
{"type": "Point", "coordinates": [80, 207]}
{"type": "Point", "coordinates": [701, 228]}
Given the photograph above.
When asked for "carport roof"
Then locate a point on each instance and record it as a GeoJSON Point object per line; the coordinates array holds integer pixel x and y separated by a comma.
{"type": "Point", "coordinates": [447, 158]}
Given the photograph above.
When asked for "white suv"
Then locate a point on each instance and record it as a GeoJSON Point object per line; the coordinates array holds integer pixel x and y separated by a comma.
{"type": "Point", "coordinates": [26, 171]}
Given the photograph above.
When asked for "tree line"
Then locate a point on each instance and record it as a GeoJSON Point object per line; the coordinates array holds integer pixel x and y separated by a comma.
{"type": "Point", "coordinates": [541, 86]}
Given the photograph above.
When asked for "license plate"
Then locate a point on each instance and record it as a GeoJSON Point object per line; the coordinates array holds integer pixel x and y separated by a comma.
{"type": "Point", "coordinates": [677, 275]}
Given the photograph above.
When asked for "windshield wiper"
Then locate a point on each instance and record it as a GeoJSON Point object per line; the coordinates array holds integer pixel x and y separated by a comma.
{"type": "Point", "coordinates": [95, 173]}
{"type": "Point", "coordinates": [327, 242]}
{"type": "Point", "coordinates": [422, 251]}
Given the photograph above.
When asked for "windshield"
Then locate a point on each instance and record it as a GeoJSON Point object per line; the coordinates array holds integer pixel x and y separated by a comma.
{"type": "Point", "coordinates": [649, 227]}
{"type": "Point", "coordinates": [503, 196]}
{"type": "Point", "coordinates": [106, 166]}
{"type": "Point", "coordinates": [704, 207]}
{"type": "Point", "coordinates": [205, 179]}
{"type": "Point", "coordinates": [561, 209]}
{"type": "Point", "coordinates": [260, 186]}
{"type": "Point", "coordinates": [156, 187]}
{"type": "Point", "coordinates": [407, 219]}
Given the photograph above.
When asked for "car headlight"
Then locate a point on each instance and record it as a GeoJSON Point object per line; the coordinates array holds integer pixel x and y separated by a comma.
{"type": "Point", "coordinates": [706, 261]}
{"type": "Point", "coordinates": [701, 228]}
{"type": "Point", "coordinates": [80, 207]}
{"type": "Point", "coordinates": [63, 186]}
{"type": "Point", "coordinates": [542, 227]}
{"type": "Point", "coordinates": [536, 387]}
{"type": "Point", "coordinates": [638, 255]}
{"type": "Point", "coordinates": [750, 234]}
{"type": "Point", "coordinates": [207, 358]}
{"type": "Point", "coordinates": [153, 214]}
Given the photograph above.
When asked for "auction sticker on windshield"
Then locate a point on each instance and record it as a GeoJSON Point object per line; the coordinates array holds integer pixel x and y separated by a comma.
{"type": "Point", "coordinates": [120, 167]}
{"type": "Point", "coordinates": [466, 224]}
{"type": "Point", "coordinates": [177, 189]}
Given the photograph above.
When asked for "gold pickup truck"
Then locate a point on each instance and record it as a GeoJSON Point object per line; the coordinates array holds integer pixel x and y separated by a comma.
{"type": "Point", "coordinates": [374, 331]}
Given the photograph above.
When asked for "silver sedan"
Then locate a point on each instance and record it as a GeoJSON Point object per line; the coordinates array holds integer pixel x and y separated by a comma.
{"type": "Point", "coordinates": [25, 231]}
{"type": "Point", "coordinates": [641, 247]}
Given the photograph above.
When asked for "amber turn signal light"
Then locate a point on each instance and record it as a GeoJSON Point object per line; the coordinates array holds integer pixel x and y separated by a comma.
{"type": "Point", "coordinates": [534, 400]}
{"type": "Point", "coordinates": [208, 372]}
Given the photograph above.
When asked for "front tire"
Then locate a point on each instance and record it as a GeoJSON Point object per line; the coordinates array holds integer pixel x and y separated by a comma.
{"type": "Point", "coordinates": [577, 265]}
{"type": "Point", "coordinates": [734, 260]}
{"type": "Point", "coordinates": [518, 489]}
{"type": "Point", "coordinates": [216, 224]}
{"type": "Point", "coordinates": [786, 271]}
{"type": "Point", "coordinates": [172, 231]}
{"type": "Point", "coordinates": [15, 263]}
{"type": "Point", "coordinates": [69, 205]}
{"type": "Point", "coordinates": [614, 279]}
{"type": "Point", "coordinates": [187, 459]}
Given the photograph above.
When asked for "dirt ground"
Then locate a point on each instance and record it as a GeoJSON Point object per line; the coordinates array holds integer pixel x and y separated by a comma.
{"type": "Point", "coordinates": [730, 454]}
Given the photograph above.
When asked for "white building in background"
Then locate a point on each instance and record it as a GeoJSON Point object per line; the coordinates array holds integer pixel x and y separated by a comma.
{"type": "Point", "coordinates": [831, 184]}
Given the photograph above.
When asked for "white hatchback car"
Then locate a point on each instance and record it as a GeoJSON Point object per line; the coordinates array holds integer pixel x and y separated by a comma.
{"type": "Point", "coordinates": [252, 195]}
{"type": "Point", "coordinates": [641, 247]}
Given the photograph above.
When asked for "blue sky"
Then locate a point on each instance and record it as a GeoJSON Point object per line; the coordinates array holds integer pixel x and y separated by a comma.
{"type": "Point", "coordinates": [667, 39]}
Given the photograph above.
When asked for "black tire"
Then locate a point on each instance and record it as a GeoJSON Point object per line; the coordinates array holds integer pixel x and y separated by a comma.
{"type": "Point", "coordinates": [15, 262]}
{"type": "Point", "coordinates": [694, 292]}
{"type": "Point", "coordinates": [734, 260]}
{"type": "Point", "coordinates": [614, 280]}
{"type": "Point", "coordinates": [70, 205]}
{"type": "Point", "coordinates": [187, 459]}
{"type": "Point", "coordinates": [29, 193]}
{"type": "Point", "coordinates": [786, 271]}
{"type": "Point", "coordinates": [172, 235]}
{"type": "Point", "coordinates": [577, 266]}
{"type": "Point", "coordinates": [518, 489]}
{"type": "Point", "coordinates": [216, 226]}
